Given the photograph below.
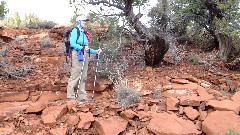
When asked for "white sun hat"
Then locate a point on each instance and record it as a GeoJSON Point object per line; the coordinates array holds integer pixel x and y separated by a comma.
{"type": "Point", "coordinates": [82, 18]}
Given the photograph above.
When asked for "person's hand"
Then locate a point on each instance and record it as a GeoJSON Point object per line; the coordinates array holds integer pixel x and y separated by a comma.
{"type": "Point", "coordinates": [86, 48]}
{"type": "Point", "coordinates": [99, 51]}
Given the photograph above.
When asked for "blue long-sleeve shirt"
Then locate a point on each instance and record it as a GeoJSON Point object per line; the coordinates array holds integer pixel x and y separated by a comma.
{"type": "Point", "coordinates": [82, 41]}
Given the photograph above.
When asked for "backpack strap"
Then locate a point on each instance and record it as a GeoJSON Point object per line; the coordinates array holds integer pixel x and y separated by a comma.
{"type": "Point", "coordinates": [78, 33]}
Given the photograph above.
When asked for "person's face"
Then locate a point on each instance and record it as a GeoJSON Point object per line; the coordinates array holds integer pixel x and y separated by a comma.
{"type": "Point", "coordinates": [83, 23]}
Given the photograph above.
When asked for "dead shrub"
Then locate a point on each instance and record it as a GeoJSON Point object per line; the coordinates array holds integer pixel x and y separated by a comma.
{"type": "Point", "coordinates": [46, 43]}
{"type": "Point", "coordinates": [127, 96]}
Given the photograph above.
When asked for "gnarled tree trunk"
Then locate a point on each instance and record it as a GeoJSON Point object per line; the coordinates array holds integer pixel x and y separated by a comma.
{"type": "Point", "coordinates": [228, 52]}
{"type": "Point", "coordinates": [225, 46]}
{"type": "Point", "coordinates": [156, 51]}
{"type": "Point", "coordinates": [157, 46]}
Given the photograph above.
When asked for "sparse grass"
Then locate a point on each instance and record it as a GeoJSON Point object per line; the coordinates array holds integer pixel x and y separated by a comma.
{"type": "Point", "coordinates": [229, 132]}
{"type": "Point", "coordinates": [3, 52]}
{"type": "Point", "coordinates": [156, 94]}
{"type": "Point", "coordinates": [195, 59]}
{"type": "Point", "coordinates": [19, 39]}
{"type": "Point", "coordinates": [18, 72]}
{"type": "Point", "coordinates": [127, 96]}
{"type": "Point", "coordinates": [46, 43]}
{"type": "Point", "coordinates": [3, 62]}
{"type": "Point", "coordinates": [224, 93]}
{"type": "Point", "coordinates": [231, 86]}
{"type": "Point", "coordinates": [232, 132]}
{"type": "Point", "coordinates": [1, 42]}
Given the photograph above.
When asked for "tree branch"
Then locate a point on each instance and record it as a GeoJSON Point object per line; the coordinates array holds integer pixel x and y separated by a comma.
{"type": "Point", "coordinates": [107, 3]}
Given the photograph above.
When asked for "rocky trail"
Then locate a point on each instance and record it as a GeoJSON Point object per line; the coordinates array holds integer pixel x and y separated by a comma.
{"type": "Point", "coordinates": [175, 99]}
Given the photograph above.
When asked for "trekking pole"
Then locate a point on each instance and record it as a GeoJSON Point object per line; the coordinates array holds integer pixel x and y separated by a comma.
{"type": "Point", "coordinates": [95, 76]}
{"type": "Point", "coordinates": [80, 78]}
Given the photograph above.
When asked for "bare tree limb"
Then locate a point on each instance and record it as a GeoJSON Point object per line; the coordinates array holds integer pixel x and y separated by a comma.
{"type": "Point", "coordinates": [106, 3]}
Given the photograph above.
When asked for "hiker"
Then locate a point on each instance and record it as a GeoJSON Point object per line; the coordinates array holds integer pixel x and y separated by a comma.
{"type": "Point", "coordinates": [80, 58]}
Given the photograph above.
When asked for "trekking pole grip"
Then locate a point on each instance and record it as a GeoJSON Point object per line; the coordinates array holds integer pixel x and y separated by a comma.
{"type": "Point", "coordinates": [97, 56]}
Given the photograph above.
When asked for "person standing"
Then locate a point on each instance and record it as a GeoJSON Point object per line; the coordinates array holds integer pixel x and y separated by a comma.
{"type": "Point", "coordinates": [79, 67]}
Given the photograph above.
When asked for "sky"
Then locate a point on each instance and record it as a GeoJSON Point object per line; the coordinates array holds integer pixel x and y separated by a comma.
{"type": "Point", "coordinates": [58, 11]}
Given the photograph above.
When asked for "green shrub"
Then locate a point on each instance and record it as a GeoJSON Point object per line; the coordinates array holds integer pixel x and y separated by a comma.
{"type": "Point", "coordinates": [127, 96]}
{"type": "Point", "coordinates": [30, 21]}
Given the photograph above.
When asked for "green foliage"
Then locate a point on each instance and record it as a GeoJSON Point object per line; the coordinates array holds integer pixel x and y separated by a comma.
{"type": "Point", "coordinates": [202, 38]}
{"type": "Point", "coordinates": [127, 96]}
{"type": "Point", "coordinates": [110, 64]}
{"type": "Point", "coordinates": [107, 35]}
{"type": "Point", "coordinates": [3, 10]}
{"type": "Point", "coordinates": [29, 21]}
{"type": "Point", "coordinates": [214, 16]}
{"type": "Point", "coordinates": [13, 22]}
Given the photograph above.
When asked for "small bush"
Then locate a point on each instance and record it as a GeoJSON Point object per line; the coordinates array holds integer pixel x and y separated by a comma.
{"type": "Point", "coordinates": [127, 96]}
{"type": "Point", "coordinates": [111, 65]}
{"type": "Point", "coordinates": [3, 52]}
{"type": "Point", "coordinates": [1, 42]}
{"type": "Point", "coordinates": [46, 43]}
{"type": "Point", "coordinates": [195, 59]}
{"type": "Point", "coordinates": [231, 86]}
{"type": "Point", "coordinates": [19, 72]}
{"type": "Point", "coordinates": [156, 94]}
{"type": "Point", "coordinates": [19, 40]}
{"type": "Point", "coordinates": [3, 62]}
{"type": "Point", "coordinates": [30, 21]}
{"type": "Point", "coordinates": [224, 93]}
{"type": "Point", "coordinates": [232, 132]}
{"type": "Point", "coordinates": [46, 24]}
{"type": "Point", "coordinates": [15, 70]}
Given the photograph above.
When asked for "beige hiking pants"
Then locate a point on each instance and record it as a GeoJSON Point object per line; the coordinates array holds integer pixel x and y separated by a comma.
{"type": "Point", "coordinates": [75, 76]}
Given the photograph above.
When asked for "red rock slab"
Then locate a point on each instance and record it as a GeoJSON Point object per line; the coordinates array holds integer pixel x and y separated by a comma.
{"type": "Point", "coordinates": [171, 124]}
{"type": "Point", "coordinates": [110, 126]}
{"type": "Point", "coordinates": [220, 122]}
